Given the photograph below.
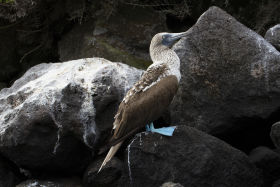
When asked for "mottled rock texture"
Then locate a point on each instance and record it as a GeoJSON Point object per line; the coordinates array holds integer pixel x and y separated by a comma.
{"type": "Point", "coordinates": [56, 112]}
{"type": "Point", "coordinates": [109, 176]}
{"type": "Point", "coordinates": [267, 160]}
{"type": "Point", "coordinates": [273, 36]}
{"type": "Point", "coordinates": [191, 158]}
{"type": "Point", "coordinates": [229, 72]}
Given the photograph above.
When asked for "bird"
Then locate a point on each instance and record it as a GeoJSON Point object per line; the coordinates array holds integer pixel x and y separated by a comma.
{"type": "Point", "coordinates": [151, 95]}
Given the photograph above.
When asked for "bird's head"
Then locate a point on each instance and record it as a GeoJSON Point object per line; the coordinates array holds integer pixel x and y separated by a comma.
{"type": "Point", "coordinates": [167, 39]}
{"type": "Point", "coordinates": [162, 42]}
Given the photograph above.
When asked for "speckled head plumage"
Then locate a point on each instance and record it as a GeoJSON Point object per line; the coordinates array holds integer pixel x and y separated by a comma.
{"type": "Point", "coordinates": [163, 42]}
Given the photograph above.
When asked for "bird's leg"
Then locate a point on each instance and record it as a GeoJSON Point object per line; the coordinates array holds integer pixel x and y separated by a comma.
{"type": "Point", "coordinates": [167, 131]}
{"type": "Point", "coordinates": [148, 128]}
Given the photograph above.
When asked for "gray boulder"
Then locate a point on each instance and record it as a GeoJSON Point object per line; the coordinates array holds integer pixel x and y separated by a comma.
{"type": "Point", "coordinates": [48, 118]}
{"type": "Point", "coordinates": [273, 36]}
{"type": "Point", "coordinates": [191, 158]}
{"type": "Point", "coordinates": [229, 72]}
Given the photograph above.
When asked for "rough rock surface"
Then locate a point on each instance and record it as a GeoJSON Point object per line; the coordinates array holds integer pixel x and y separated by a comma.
{"type": "Point", "coordinates": [267, 160]}
{"type": "Point", "coordinates": [9, 173]}
{"type": "Point", "coordinates": [107, 177]}
{"type": "Point", "coordinates": [191, 158]}
{"type": "Point", "coordinates": [123, 37]}
{"type": "Point", "coordinates": [30, 36]}
{"type": "Point", "coordinates": [276, 183]}
{"type": "Point", "coordinates": [229, 72]}
{"type": "Point", "coordinates": [275, 134]}
{"type": "Point", "coordinates": [273, 36]}
{"type": "Point", "coordinates": [48, 116]}
{"type": "Point", "coordinates": [66, 182]}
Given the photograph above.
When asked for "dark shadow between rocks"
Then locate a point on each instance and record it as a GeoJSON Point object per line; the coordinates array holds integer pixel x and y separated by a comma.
{"type": "Point", "coordinates": [175, 24]}
{"type": "Point", "coordinates": [248, 133]}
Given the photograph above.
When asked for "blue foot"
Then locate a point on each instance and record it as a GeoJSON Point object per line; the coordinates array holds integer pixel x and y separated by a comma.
{"type": "Point", "coordinates": [167, 131]}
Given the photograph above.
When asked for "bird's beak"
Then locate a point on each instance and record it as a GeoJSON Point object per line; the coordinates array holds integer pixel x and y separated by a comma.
{"type": "Point", "coordinates": [176, 36]}
{"type": "Point", "coordinates": [171, 38]}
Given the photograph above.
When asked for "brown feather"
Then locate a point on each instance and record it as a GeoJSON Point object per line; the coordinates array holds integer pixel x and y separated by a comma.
{"type": "Point", "coordinates": [148, 106]}
{"type": "Point", "coordinates": [150, 103]}
{"type": "Point", "coordinates": [110, 155]}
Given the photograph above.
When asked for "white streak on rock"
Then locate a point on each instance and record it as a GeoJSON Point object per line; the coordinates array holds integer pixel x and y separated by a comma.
{"type": "Point", "coordinates": [43, 85]}
{"type": "Point", "coordinates": [128, 158]}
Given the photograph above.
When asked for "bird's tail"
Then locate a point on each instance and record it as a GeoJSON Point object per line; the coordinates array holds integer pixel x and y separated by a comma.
{"type": "Point", "coordinates": [110, 154]}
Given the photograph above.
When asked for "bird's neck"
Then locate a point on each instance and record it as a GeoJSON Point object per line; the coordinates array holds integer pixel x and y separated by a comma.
{"type": "Point", "coordinates": [167, 57]}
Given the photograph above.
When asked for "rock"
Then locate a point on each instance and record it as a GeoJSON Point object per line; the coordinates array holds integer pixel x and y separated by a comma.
{"type": "Point", "coordinates": [124, 36]}
{"type": "Point", "coordinates": [108, 176]}
{"type": "Point", "coordinates": [65, 182]}
{"type": "Point", "coordinates": [48, 116]}
{"type": "Point", "coordinates": [275, 134]}
{"type": "Point", "coordinates": [171, 184]}
{"type": "Point", "coordinates": [191, 158]}
{"type": "Point", "coordinates": [257, 15]}
{"type": "Point", "coordinates": [273, 36]}
{"type": "Point", "coordinates": [14, 11]}
{"type": "Point", "coordinates": [29, 37]}
{"type": "Point", "coordinates": [267, 160]}
{"type": "Point", "coordinates": [276, 183]}
{"type": "Point", "coordinates": [9, 173]}
{"type": "Point", "coordinates": [229, 73]}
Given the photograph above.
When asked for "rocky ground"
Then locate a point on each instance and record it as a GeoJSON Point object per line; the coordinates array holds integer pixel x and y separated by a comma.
{"type": "Point", "coordinates": [56, 116]}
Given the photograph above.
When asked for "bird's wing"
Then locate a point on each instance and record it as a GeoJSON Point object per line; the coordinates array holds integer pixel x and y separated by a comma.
{"type": "Point", "coordinates": [149, 104]}
{"type": "Point", "coordinates": [151, 76]}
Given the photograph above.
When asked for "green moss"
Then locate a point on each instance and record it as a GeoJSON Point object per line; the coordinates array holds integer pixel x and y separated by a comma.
{"type": "Point", "coordinates": [116, 54]}
{"type": "Point", "coordinates": [7, 1]}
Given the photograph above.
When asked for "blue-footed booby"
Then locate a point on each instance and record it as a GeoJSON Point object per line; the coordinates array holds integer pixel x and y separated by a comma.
{"type": "Point", "coordinates": [151, 95]}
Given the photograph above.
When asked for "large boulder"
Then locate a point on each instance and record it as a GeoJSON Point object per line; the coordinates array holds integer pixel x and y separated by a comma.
{"type": "Point", "coordinates": [191, 158]}
{"type": "Point", "coordinates": [52, 115]}
{"type": "Point", "coordinates": [267, 160]}
{"type": "Point", "coordinates": [273, 36]}
{"type": "Point", "coordinates": [229, 73]}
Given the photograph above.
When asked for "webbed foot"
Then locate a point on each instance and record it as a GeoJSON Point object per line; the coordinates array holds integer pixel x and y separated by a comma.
{"type": "Point", "coordinates": [167, 131]}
